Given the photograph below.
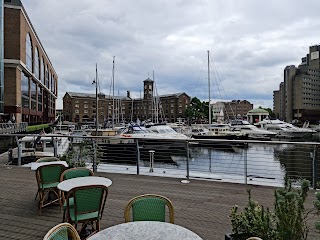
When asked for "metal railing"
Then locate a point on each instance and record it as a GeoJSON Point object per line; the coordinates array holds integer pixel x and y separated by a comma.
{"type": "Point", "coordinates": [7, 128]}
{"type": "Point", "coordinates": [248, 162]}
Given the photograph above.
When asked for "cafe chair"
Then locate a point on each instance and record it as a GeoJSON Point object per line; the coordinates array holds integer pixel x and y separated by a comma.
{"type": "Point", "coordinates": [149, 207]}
{"type": "Point", "coordinates": [62, 231]}
{"type": "Point", "coordinates": [72, 173]}
{"type": "Point", "coordinates": [48, 178]}
{"type": "Point", "coordinates": [89, 202]}
{"type": "Point", "coordinates": [48, 159]}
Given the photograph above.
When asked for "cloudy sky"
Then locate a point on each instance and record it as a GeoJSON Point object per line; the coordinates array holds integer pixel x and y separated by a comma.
{"type": "Point", "coordinates": [250, 43]}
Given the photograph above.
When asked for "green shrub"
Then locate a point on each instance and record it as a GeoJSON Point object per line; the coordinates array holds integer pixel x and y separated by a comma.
{"type": "Point", "coordinates": [37, 127]}
{"type": "Point", "coordinates": [288, 221]}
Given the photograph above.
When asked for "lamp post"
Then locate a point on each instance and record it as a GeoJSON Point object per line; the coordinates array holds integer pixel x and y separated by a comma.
{"type": "Point", "coordinates": [95, 81]}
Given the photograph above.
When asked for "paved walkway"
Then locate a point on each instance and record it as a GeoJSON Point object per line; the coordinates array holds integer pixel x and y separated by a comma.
{"type": "Point", "coordinates": [202, 206]}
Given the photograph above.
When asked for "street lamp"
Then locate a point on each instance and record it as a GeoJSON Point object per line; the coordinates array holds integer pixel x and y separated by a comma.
{"type": "Point", "coordinates": [95, 81]}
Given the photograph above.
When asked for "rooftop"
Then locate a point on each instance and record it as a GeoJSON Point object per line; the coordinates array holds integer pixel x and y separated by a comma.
{"type": "Point", "coordinates": [201, 206]}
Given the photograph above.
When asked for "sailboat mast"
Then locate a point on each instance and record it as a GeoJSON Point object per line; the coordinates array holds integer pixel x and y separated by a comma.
{"type": "Point", "coordinates": [113, 92]}
{"type": "Point", "coordinates": [97, 99]}
{"type": "Point", "coordinates": [209, 87]}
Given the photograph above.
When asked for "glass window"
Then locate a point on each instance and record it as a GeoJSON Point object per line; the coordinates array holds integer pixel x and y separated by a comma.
{"type": "Point", "coordinates": [36, 63]}
{"type": "Point", "coordinates": [52, 83]}
{"type": "Point", "coordinates": [46, 76]}
{"type": "Point", "coordinates": [29, 52]}
{"type": "Point", "coordinates": [39, 98]}
{"type": "Point", "coordinates": [33, 89]}
{"type": "Point", "coordinates": [44, 72]}
{"type": "Point", "coordinates": [24, 91]}
{"type": "Point", "coordinates": [48, 73]}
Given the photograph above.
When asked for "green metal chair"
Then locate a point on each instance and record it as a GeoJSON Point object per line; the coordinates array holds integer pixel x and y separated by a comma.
{"type": "Point", "coordinates": [89, 202]}
{"type": "Point", "coordinates": [48, 159]}
{"type": "Point", "coordinates": [63, 231]}
{"type": "Point", "coordinates": [48, 178]}
{"type": "Point", "coordinates": [149, 207]}
{"type": "Point", "coordinates": [69, 174]}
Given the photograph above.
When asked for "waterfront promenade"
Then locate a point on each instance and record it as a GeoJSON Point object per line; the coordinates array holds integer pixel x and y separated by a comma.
{"type": "Point", "coordinates": [202, 206]}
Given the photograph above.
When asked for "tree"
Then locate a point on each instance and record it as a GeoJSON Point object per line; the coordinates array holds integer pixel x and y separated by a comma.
{"type": "Point", "coordinates": [271, 113]}
{"type": "Point", "coordinates": [197, 110]}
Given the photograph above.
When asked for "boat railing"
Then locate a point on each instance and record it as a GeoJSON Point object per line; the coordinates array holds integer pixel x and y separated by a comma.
{"type": "Point", "coordinates": [238, 161]}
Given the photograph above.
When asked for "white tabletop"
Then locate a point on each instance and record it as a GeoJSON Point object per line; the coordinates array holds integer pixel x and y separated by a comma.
{"type": "Point", "coordinates": [35, 165]}
{"type": "Point", "coordinates": [67, 185]}
{"type": "Point", "coordinates": [145, 230]}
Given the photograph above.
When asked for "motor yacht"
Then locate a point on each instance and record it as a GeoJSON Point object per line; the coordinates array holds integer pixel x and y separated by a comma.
{"type": "Point", "coordinates": [251, 131]}
{"type": "Point", "coordinates": [285, 130]}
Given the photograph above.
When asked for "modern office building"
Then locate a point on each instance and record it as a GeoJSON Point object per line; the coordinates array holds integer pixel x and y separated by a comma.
{"type": "Point", "coordinates": [82, 107]}
{"type": "Point", "coordinates": [299, 93]}
{"type": "Point", "coordinates": [30, 81]}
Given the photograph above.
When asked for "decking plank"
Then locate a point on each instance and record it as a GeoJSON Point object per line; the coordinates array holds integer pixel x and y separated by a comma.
{"type": "Point", "coordinates": [202, 206]}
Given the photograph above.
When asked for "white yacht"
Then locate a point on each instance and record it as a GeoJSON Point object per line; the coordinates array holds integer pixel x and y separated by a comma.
{"type": "Point", "coordinates": [166, 131]}
{"type": "Point", "coordinates": [217, 131]}
{"type": "Point", "coordinates": [285, 130]}
{"type": "Point", "coordinates": [252, 131]}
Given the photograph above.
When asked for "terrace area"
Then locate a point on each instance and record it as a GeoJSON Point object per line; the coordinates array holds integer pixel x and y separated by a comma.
{"type": "Point", "coordinates": [201, 206]}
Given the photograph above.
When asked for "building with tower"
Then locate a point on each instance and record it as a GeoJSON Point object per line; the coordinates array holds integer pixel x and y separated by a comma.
{"type": "Point", "coordinates": [81, 107]}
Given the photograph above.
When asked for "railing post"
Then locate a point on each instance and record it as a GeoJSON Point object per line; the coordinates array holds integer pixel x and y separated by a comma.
{"type": "Point", "coordinates": [151, 152]}
{"type": "Point", "coordinates": [55, 150]}
{"type": "Point", "coordinates": [246, 163]}
{"type": "Point", "coordinates": [94, 161]}
{"type": "Point", "coordinates": [314, 167]}
{"type": "Point", "coordinates": [138, 156]}
{"type": "Point", "coordinates": [188, 174]}
{"type": "Point", "coordinates": [188, 170]}
{"type": "Point", "coordinates": [19, 153]}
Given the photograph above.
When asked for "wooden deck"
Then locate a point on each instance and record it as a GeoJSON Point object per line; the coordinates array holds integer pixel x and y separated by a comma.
{"type": "Point", "coordinates": [202, 206]}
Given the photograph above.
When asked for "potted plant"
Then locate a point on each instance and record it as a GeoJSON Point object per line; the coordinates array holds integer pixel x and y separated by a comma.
{"type": "Point", "coordinates": [287, 221]}
{"type": "Point", "coordinates": [77, 156]}
{"type": "Point", "coordinates": [254, 220]}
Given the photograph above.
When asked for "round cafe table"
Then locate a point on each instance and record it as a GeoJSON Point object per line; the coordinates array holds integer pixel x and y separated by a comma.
{"type": "Point", "coordinates": [67, 185]}
{"type": "Point", "coordinates": [145, 230]}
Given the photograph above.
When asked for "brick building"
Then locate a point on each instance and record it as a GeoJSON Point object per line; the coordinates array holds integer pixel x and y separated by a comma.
{"type": "Point", "coordinates": [30, 81]}
{"type": "Point", "coordinates": [231, 110]}
{"type": "Point", "coordinates": [81, 107]}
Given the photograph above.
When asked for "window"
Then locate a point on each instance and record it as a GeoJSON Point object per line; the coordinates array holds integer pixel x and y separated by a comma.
{"type": "Point", "coordinates": [85, 106]}
{"type": "Point", "coordinates": [46, 76]}
{"type": "Point", "coordinates": [76, 105]}
{"type": "Point", "coordinates": [39, 98]}
{"type": "Point", "coordinates": [36, 63]}
{"type": "Point", "coordinates": [33, 89]}
{"type": "Point", "coordinates": [76, 111]}
{"type": "Point", "coordinates": [85, 111]}
{"type": "Point", "coordinates": [29, 52]}
{"type": "Point", "coordinates": [24, 91]}
{"type": "Point", "coordinates": [44, 71]}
